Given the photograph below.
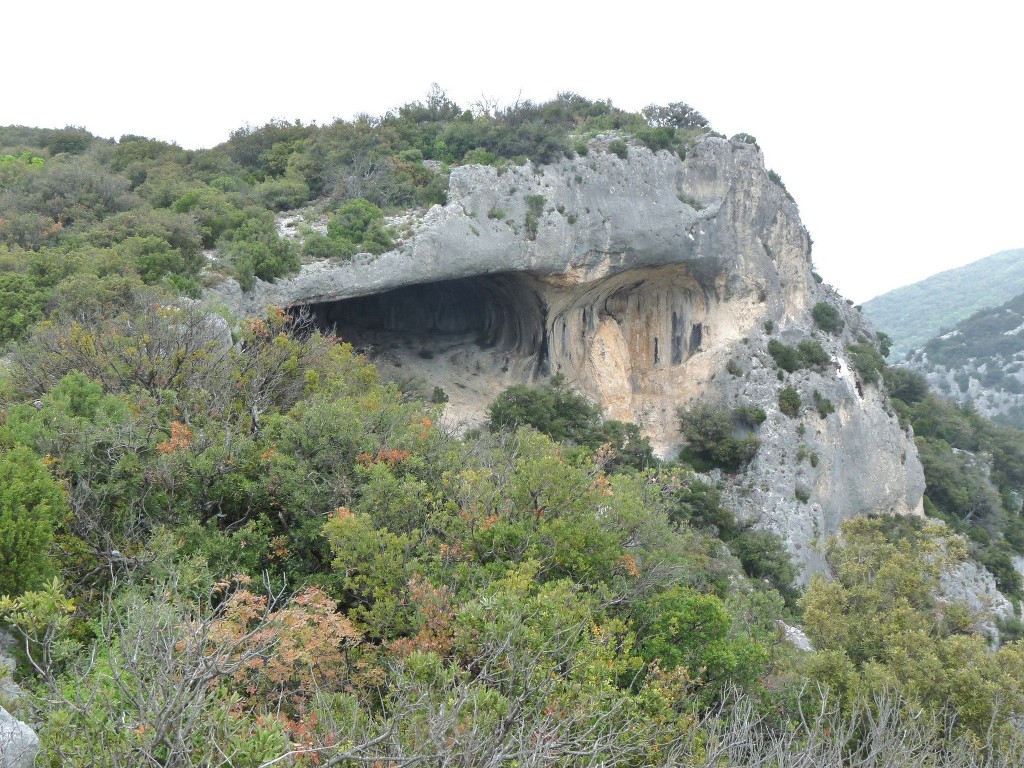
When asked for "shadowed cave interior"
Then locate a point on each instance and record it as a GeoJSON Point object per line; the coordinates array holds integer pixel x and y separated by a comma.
{"type": "Point", "coordinates": [503, 314]}
{"type": "Point", "coordinates": [472, 337]}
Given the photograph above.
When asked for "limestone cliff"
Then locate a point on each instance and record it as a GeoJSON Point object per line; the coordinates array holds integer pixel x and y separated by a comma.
{"type": "Point", "coordinates": [640, 279]}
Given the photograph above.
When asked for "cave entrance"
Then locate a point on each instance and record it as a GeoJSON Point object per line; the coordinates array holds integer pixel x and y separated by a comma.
{"type": "Point", "coordinates": [501, 314]}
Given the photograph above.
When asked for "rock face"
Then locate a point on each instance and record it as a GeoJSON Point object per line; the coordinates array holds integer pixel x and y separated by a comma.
{"type": "Point", "coordinates": [640, 279]}
{"type": "Point", "coordinates": [974, 587]}
{"type": "Point", "coordinates": [18, 743]}
{"type": "Point", "coordinates": [814, 471]}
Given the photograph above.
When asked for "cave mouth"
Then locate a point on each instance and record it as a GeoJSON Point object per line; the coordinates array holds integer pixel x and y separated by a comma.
{"type": "Point", "coordinates": [502, 312]}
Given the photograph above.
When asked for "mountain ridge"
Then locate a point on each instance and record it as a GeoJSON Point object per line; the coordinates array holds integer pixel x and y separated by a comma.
{"type": "Point", "coordinates": [914, 313]}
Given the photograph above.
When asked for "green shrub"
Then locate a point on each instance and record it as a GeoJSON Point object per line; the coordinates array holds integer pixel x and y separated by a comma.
{"type": "Point", "coordinates": [1010, 629]}
{"type": "Point", "coordinates": [763, 556]}
{"type": "Point", "coordinates": [478, 156]}
{"type": "Point", "coordinates": [866, 361]}
{"type": "Point", "coordinates": [31, 505]}
{"type": "Point", "coordinates": [22, 301]}
{"type": "Point", "coordinates": [360, 223]}
{"type": "Point", "coordinates": [534, 210]}
{"type": "Point", "coordinates": [683, 628]}
{"type": "Point", "coordinates": [785, 356]}
{"type": "Point", "coordinates": [357, 226]}
{"type": "Point", "coordinates": [749, 416]}
{"type": "Point", "coordinates": [155, 259]}
{"type": "Point", "coordinates": [378, 238]}
{"type": "Point", "coordinates": [906, 385]}
{"type": "Point", "coordinates": [655, 138]}
{"type": "Point", "coordinates": [769, 327]}
{"type": "Point", "coordinates": [734, 368]}
{"type": "Point", "coordinates": [317, 245]}
{"type": "Point", "coordinates": [789, 402]}
{"type": "Point", "coordinates": [700, 506]}
{"type": "Point", "coordinates": [823, 405]}
{"type": "Point", "coordinates": [828, 318]}
{"type": "Point", "coordinates": [568, 417]}
{"type": "Point", "coordinates": [289, 191]}
{"type": "Point", "coordinates": [812, 354]}
{"type": "Point", "coordinates": [999, 562]}
{"type": "Point", "coordinates": [214, 212]}
{"type": "Point", "coordinates": [807, 354]}
{"type": "Point", "coordinates": [620, 148]}
{"type": "Point", "coordinates": [884, 342]}
{"type": "Point", "coordinates": [711, 439]}
{"type": "Point", "coordinates": [254, 249]}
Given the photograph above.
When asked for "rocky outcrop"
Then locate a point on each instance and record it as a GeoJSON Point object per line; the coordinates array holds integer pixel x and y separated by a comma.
{"type": "Point", "coordinates": [615, 272]}
{"type": "Point", "coordinates": [972, 586]}
{"type": "Point", "coordinates": [817, 468]}
{"type": "Point", "coordinates": [795, 636]}
{"type": "Point", "coordinates": [643, 280]}
{"type": "Point", "coordinates": [18, 742]}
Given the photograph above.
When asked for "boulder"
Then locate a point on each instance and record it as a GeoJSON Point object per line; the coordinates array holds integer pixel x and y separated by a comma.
{"type": "Point", "coordinates": [18, 743]}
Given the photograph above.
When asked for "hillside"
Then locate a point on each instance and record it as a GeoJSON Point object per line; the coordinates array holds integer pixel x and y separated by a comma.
{"type": "Point", "coordinates": [913, 314]}
{"type": "Point", "coordinates": [339, 445]}
{"type": "Point", "coordinates": [980, 361]}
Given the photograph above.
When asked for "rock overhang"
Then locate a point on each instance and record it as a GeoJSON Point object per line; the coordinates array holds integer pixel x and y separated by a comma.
{"type": "Point", "coordinates": [646, 281]}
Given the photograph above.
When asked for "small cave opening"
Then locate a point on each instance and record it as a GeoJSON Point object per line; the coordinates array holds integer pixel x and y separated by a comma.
{"type": "Point", "coordinates": [502, 313]}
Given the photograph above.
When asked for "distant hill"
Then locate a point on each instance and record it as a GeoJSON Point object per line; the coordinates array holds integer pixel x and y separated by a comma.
{"type": "Point", "coordinates": [915, 313]}
{"type": "Point", "coordinates": [980, 361]}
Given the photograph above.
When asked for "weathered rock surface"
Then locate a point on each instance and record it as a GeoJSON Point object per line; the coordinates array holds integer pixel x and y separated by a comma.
{"type": "Point", "coordinates": [795, 637]}
{"type": "Point", "coordinates": [18, 742]}
{"type": "Point", "coordinates": [812, 472]}
{"type": "Point", "coordinates": [9, 690]}
{"type": "Point", "coordinates": [639, 279]}
{"type": "Point", "coordinates": [972, 585]}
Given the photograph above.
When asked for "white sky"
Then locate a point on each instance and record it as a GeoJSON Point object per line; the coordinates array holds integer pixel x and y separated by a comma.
{"type": "Point", "coordinates": [896, 125]}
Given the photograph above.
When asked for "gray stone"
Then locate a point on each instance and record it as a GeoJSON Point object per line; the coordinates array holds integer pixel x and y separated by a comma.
{"type": "Point", "coordinates": [795, 637]}
{"type": "Point", "coordinates": [973, 586]}
{"type": "Point", "coordinates": [10, 691]}
{"type": "Point", "coordinates": [18, 743]}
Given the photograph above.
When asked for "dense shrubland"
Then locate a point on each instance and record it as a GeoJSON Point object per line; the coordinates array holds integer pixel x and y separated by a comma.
{"type": "Point", "coordinates": [974, 470]}
{"type": "Point", "coordinates": [237, 546]}
{"type": "Point", "coordinates": [249, 550]}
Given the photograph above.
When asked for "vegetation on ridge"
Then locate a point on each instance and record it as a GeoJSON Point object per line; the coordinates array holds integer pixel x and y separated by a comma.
{"type": "Point", "coordinates": [75, 206]}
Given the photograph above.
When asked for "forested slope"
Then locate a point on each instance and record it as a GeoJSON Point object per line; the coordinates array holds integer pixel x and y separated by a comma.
{"type": "Point", "coordinates": [913, 314]}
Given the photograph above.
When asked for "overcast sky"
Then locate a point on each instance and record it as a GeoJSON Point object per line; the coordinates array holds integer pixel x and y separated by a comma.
{"type": "Point", "coordinates": [896, 125]}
